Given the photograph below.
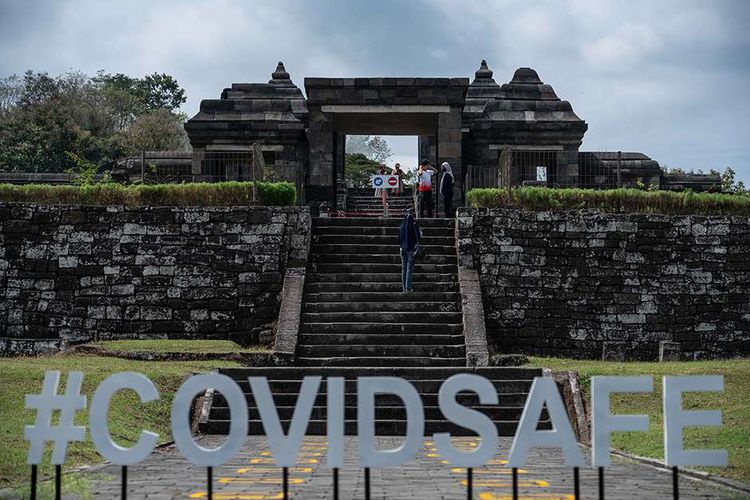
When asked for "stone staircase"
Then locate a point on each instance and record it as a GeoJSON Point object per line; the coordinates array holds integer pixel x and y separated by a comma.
{"type": "Point", "coordinates": [354, 313]}
{"type": "Point", "coordinates": [356, 322]}
{"type": "Point", "coordinates": [363, 203]}
{"type": "Point", "coordinates": [512, 384]}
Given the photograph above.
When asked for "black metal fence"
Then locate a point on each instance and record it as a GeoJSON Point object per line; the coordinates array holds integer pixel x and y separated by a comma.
{"type": "Point", "coordinates": [598, 170]}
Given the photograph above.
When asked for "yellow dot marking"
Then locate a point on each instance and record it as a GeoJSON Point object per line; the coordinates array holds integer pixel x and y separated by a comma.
{"type": "Point", "coordinates": [489, 483]}
{"type": "Point", "coordinates": [489, 471]}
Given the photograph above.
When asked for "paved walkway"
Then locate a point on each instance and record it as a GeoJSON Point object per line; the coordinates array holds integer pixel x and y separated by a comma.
{"type": "Point", "coordinates": [252, 476]}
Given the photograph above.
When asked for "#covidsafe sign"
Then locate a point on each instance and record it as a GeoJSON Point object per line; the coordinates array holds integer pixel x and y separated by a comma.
{"type": "Point", "coordinates": [285, 447]}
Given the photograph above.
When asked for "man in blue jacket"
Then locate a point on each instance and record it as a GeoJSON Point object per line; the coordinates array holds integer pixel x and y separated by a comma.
{"type": "Point", "coordinates": [408, 239]}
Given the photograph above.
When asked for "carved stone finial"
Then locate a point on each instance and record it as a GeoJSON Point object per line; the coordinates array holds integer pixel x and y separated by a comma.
{"type": "Point", "coordinates": [280, 73]}
{"type": "Point", "coordinates": [484, 72]}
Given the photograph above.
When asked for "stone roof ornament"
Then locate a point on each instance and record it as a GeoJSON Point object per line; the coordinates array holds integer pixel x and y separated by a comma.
{"type": "Point", "coordinates": [526, 75]}
{"type": "Point", "coordinates": [484, 72]}
{"type": "Point", "coordinates": [280, 75]}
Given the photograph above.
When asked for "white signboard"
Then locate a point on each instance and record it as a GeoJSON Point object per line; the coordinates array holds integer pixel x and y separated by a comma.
{"type": "Point", "coordinates": [385, 181]}
{"type": "Point", "coordinates": [541, 174]}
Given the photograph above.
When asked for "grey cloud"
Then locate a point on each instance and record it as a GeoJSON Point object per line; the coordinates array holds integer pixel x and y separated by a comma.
{"type": "Point", "coordinates": [668, 78]}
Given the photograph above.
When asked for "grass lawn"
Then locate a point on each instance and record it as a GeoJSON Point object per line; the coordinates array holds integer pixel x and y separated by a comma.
{"type": "Point", "coordinates": [734, 402]}
{"type": "Point", "coordinates": [181, 346]}
{"type": "Point", "coordinates": [128, 417]}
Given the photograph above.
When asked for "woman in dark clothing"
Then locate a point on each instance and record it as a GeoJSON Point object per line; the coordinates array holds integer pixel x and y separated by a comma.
{"type": "Point", "coordinates": [446, 188]}
{"type": "Point", "coordinates": [408, 239]}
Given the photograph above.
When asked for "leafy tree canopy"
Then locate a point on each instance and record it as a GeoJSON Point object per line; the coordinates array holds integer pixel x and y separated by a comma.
{"type": "Point", "coordinates": [358, 168]}
{"type": "Point", "coordinates": [47, 121]}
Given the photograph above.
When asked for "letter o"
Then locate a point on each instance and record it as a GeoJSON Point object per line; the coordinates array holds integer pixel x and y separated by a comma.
{"type": "Point", "coordinates": [182, 433]}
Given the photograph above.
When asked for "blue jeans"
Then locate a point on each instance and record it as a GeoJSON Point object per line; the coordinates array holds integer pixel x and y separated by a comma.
{"type": "Point", "coordinates": [407, 270]}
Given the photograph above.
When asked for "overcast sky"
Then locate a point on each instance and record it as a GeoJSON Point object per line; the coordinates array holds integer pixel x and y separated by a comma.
{"type": "Point", "coordinates": [670, 78]}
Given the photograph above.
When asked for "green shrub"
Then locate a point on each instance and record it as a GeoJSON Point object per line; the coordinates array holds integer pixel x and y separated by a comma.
{"type": "Point", "coordinates": [194, 194]}
{"type": "Point", "coordinates": [611, 200]}
{"type": "Point", "coordinates": [277, 193]}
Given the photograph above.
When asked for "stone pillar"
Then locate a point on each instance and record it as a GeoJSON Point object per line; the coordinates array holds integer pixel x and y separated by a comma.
{"type": "Point", "coordinates": [427, 145]}
{"type": "Point", "coordinates": [449, 142]}
{"type": "Point", "coordinates": [198, 155]}
{"type": "Point", "coordinates": [566, 171]}
{"type": "Point", "coordinates": [320, 178]}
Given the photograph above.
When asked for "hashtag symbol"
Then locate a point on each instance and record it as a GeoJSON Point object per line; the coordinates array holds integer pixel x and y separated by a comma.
{"type": "Point", "coordinates": [45, 404]}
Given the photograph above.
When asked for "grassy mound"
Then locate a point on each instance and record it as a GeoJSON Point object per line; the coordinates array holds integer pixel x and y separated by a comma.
{"type": "Point", "coordinates": [611, 200]}
{"type": "Point", "coordinates": [192, 194]}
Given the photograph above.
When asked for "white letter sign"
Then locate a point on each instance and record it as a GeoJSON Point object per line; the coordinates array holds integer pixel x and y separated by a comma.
{"type": "Point", "coordinates": [544, 390]}
{"type": "Point", "coordinates": [603, 423]}
{"type": "Point", "coordinates": [676, 419]}
{"type": "Point", "coordinates": [99, 421]}
{"type": "Point", "coordinates": [367, 388]}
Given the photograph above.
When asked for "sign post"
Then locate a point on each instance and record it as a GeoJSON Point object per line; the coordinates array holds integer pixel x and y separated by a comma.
{"type": "Point", "coordinates": [384, 182]}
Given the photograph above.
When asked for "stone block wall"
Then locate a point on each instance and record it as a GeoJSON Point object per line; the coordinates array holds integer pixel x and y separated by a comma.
{"type": "Point", "coordinates": [71, 274]}
{"type": "Point", "coordinates": [578, 284]}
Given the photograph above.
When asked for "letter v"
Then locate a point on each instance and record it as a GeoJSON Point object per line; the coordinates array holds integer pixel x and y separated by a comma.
{"type": "Point", "coordinates": [285, 448]}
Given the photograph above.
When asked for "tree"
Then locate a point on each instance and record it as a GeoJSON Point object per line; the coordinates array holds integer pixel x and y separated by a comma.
{"type": "Point", "coordinates": [728, 182]}
{"type": "Point", "coordinates": [161, 91]}
{"type": "Point", "coordinates": [156, 130]}
{"type": "Point", "coordinates": [380, 150]}
{"type": "Point", "coordinates": [47, 121]}
{"type": "Point", "coordinates": [373, 147]}
{"type": "Point", "coordinates": [358, 168]}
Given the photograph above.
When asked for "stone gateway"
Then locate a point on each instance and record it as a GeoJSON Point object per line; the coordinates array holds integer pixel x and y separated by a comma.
{"type": "Point", "coordinates": [491, 134]}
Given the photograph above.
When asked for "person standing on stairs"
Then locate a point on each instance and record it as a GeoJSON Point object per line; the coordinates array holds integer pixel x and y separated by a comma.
{"type": "Point", "coordinates": [382, 193]}
{"type": "Point", "coordinates": [424, 183]}
{"type": "Point", "coordinates": [446, 189]}
{"type": "Point", "coordinates": [408, 239]}
{"type": "Point", "coordinates": [400, 173]}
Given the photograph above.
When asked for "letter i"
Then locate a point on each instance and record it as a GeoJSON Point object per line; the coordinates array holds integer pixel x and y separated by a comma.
{"type": "Point", "coordinates": [335, 421]}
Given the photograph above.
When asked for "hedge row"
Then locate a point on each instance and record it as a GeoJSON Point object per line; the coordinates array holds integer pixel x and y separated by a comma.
{"type": "Point", "coordinates": [611, 200]}
{"type": "Point", "coordinates": [195, 194]}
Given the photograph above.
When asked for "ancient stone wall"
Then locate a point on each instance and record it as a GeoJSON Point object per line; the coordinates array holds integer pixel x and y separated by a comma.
{"type": "Point", "coordinates": [584, 284]}
{"type": "Point", "coordinates": [70, 274]}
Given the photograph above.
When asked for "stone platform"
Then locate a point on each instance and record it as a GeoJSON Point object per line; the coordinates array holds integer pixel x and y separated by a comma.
{"type": "Point", "coordinates": [251, 475]}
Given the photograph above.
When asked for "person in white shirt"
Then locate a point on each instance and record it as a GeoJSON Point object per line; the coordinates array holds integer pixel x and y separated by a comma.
{"type": "Point", "coordinates": [424, 184]}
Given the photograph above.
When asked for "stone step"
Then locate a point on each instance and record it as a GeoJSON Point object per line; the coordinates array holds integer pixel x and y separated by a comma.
{"type": "Point", "coordinates": [380, 277]}
{"type": "Point", "coordinates": [375, 204]}
{"type": "Point", "coordinates": [385, 328]}
{"type": "Point", "coordinates": [391, 304]}
{"type": "Point", "coordinates": [380, 361]}
{"type": "Point", "coordinates": [390, 258]}
{"type": "Point", "coordinates": [380, 267]}
{"type": "Point", "coordinates": [281, 386]}
{"type": "Point", "coordinates": [372, 249]}
{"type": "Point", "coordinates": [379, 240]}
{"type": "Point", "coordinates": [393, 287]}
{"type": "Point", "coordinates": [396, 317]}
{"type": "Point", "coordinates": [382, 400]}
{"type": "Point", "coordinates": [508, 413]}
{"type": "Point", "coordinates": [448, 232]}
{"type": "Point", "coordinates": [382, 427]}
{"type": "Point", "coordinates": [494, 373]}
{"type": "Point", "coordinates": [380, 350]}
{"type": "Point", "coordinates": [359, 338]}
{"type": "Point", "coordinates": [423, 297]}
{"type": "Point", "coordinates": [364, 221]}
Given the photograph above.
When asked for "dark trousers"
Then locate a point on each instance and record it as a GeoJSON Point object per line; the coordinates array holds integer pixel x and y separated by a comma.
{"type": "Point", "coordinates": [407, 270]}
{"type": "Point", "coordinates": [448, 205]}
{"type": "Point", "coordinates": [425, 203]}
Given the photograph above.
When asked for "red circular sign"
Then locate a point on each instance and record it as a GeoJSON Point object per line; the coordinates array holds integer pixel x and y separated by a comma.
{"type": "Point", "coordinates": [392, 181]}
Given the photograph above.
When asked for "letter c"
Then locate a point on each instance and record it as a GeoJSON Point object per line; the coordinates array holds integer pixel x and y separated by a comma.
{"type": "Point", "coordinates": [99, 422]}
